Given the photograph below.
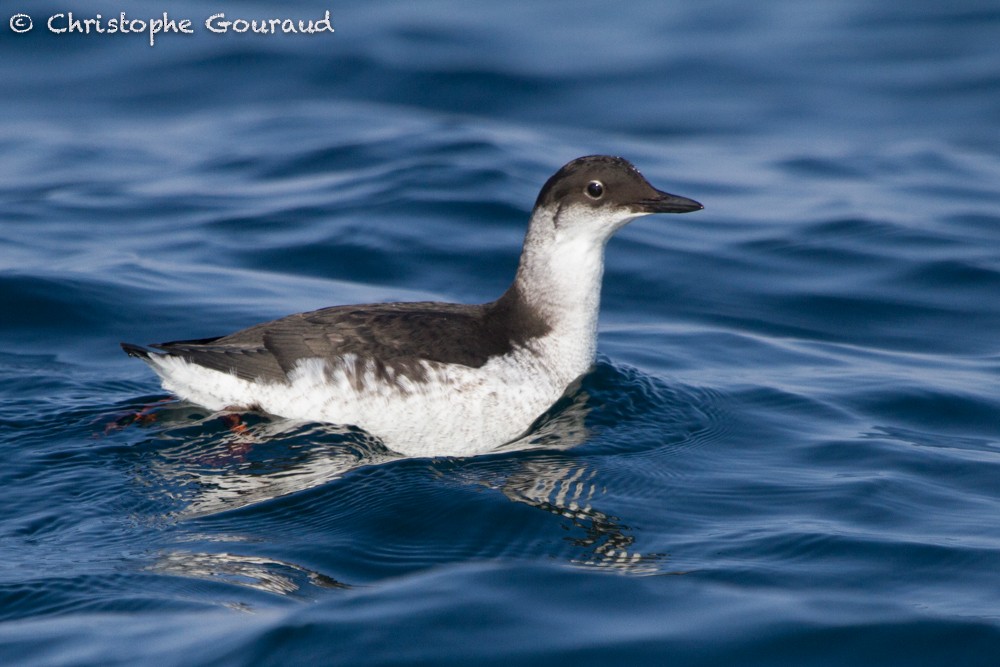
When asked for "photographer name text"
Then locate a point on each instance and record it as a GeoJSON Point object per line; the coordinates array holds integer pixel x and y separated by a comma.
{"type": "Point", "coordinates": [65, 23]}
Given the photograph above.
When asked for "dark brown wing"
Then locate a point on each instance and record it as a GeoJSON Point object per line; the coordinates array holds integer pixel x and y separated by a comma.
{"type": "Point", "coordinates": [394, 335]}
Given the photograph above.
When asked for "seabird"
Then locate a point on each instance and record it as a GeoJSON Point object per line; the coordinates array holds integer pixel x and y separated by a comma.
{"type": "Point", "coordinates": [429, 378]}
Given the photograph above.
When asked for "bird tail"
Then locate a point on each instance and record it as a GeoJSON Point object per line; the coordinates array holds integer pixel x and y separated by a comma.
{"type": "Point", "coordinates": [136, 351]}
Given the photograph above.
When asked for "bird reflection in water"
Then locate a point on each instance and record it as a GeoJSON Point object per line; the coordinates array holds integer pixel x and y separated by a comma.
{"type": "Point", "coordinates": [207, 467]}
{"type": "Point", "coordinates": [263, 574]}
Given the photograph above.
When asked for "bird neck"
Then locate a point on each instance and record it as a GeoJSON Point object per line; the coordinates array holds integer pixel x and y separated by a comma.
{"type": "Point", "coordinates": [559, 278]}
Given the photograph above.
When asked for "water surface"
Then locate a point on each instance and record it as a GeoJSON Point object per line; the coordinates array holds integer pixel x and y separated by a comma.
{"type": "Point", "coordinates": [787, 452]}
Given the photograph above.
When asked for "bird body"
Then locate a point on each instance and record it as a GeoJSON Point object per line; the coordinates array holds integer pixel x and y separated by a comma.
{"type": "Point", "coordinates": [434, 378]}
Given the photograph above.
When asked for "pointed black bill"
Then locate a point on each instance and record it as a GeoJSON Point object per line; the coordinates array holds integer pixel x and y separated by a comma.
{"type": "Point", "coordinates": [665, 202]}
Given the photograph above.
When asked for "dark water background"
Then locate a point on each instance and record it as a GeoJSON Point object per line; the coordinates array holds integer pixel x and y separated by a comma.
{"type": "Point", "coordinates": [790, 447]}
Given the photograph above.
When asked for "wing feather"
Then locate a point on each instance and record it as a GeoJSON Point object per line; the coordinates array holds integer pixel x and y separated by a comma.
{"type": "Point", "coordinates": [391, 336]}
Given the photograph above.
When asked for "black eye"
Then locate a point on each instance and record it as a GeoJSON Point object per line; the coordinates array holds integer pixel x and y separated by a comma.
{"type": "Point", "coordinates": [595, 189]}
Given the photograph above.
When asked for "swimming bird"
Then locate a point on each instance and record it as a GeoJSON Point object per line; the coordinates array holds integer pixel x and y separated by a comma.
{"type": "Point", "coordinates": [430, 378]}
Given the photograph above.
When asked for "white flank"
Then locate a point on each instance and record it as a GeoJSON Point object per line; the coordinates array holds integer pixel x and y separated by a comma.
{"type": "Point", "coordinates": [455, 411]}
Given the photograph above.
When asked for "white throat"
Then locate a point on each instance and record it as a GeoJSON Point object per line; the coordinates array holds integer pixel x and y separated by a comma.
{"type": "Point", "coordinates": [561, 268]}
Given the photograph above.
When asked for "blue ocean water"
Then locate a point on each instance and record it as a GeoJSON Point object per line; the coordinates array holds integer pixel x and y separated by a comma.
{"type": "Point", "coordinates": [787, 453]}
